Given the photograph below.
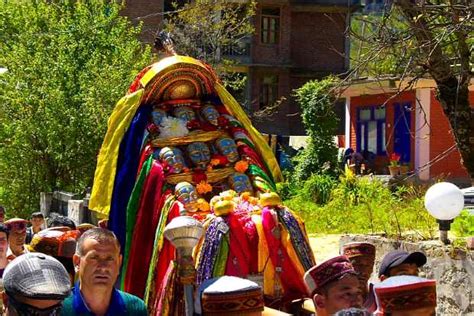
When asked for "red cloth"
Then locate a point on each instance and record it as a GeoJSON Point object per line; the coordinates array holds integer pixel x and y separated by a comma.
{"type": "Point", "coordinates": [146, 152]}
{"type": "Point", "coordinates": [136, 82]}
{"type": "Point", "coordinates": [238, 261]}
{"type": "Point", "coordinates": [293, 285]}
{"type": "Point", "coordinates": [144, 232]}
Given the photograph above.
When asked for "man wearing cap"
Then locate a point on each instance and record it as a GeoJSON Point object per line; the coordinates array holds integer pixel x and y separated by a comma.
{"type": "Point", "coordinates": [362, 257]}
{"type": "Point", "coordinates": [229, 295]}
{"type": "Point", "coordinates": [400, 262]}
{"type": "Point", "coordinates": [37, 221]}
{"type": "Point", "coordinates": [406, 295]}
{"type": "Point", "coordinates": [35, 284]}
{"type": "Point", "coordinates": [16, 240]}
{"type": "Point", "coordinates": [333, 285]}
{"type": "Point", "coordinates": [97, 261]}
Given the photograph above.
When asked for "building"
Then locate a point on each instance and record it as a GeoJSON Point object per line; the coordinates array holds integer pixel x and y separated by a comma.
{"type": "Point", "coordinates": [411, 124]}
{"type": "Point", "coordinates": [294, 41]}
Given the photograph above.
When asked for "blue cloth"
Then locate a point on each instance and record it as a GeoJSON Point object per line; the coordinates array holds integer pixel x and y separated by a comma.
{"type": "Point", "coordinates": [121, 304]}
{"type": "Point", "coordinates": [127, 167]}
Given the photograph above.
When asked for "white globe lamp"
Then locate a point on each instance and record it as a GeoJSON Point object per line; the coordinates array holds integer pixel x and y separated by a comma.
{"type": "Point", "coordinates": [444, 201]}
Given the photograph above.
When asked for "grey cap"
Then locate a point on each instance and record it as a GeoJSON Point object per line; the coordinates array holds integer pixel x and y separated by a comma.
{"type": "Point", "coordinates": [37, 276]}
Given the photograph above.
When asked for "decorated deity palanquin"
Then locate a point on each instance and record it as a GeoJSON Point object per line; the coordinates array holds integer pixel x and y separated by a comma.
{"type": "Point", "coordinates": [179, 144]}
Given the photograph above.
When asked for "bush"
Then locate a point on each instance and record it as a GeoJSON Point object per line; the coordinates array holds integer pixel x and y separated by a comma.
{"type": "Point", "coordinates": [318, 188]}
{"type": "Point", "coordinates": [463, 225]}
{"type": "Point", "coordinates": [364, 205]}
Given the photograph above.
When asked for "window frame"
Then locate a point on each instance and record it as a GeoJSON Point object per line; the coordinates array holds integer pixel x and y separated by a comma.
{"type": "Point", "coordinates": [362, 126]}
{"type": "Point", "coordinates": [264, 95]}
{"type": "Point", "coordinates": [265, 39]}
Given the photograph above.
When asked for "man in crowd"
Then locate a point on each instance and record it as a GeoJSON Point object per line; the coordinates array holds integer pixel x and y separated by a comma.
{"type": "Point", "coordinates": [362, 257]}
{"type": "Point", "coordinates": [35, 284]}
{"type": "Point", "coordinates": [406, 296]}
{"type": "Point", "coordinates": [97, 261]}
{"type": "Point", "coordinates": [37, 221]}
{"type": "Point", "coordinates": [3, 248]}
{"type": "Point", "coordinates": [57, 220]}
{"type": "Point", "coordinates": [16, 240]}
{"type": "Point", "coordinates": [2, 213]}
{"type": "Point", "coordinates": [400, 262]}
{"type": "Point", "coordinates": [333, 285]}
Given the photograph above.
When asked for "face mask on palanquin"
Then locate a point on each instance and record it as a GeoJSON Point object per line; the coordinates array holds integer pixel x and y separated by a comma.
{"type": "Point", "coordinates": [240, 182]}
{"type": "Point", "coordinates": [185, 193]}
{"type": "Point", "coordinates": [199, 154]}
{"type": "Point", "coordinates": [158, 115]}
{"type": "Point", "coordinates": [174, 159]}
{"type": "Point", "coordinates": [210, 114]}
{"type": "Point", "coordinates": [228, 148]}
{"type": "Point", "coordinates": [184, 113]}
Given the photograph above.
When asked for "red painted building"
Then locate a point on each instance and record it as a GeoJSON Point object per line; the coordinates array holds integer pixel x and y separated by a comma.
{"type": "Point", "coordinates": [294, 41]}
{"type": "Point", "coordinates": [411, 124]}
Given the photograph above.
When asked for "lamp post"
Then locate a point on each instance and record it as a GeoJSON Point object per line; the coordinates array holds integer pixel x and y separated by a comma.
{"type": "Point", "coordinates": [184, 232]}
{"type": "Point", "coordinates": [444, 201]}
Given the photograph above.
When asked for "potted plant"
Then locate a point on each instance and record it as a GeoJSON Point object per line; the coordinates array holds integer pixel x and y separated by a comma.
{"type": "Point", "coordinates": [394, 167]}
{"type": "Point", "coordinates": [404, 167]}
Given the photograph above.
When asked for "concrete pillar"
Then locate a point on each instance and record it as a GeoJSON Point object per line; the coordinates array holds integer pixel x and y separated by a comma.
{"type": "Point", "coordinates": [347, 130]}
{"type": "Point", "coordinates": [75, 211]}
{"type": "Point", "coordinates": [46, 199]}
{"type": "Point", "coordinates": [422, 132]}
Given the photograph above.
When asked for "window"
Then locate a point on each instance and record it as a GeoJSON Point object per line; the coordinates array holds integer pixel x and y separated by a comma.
{"type": "Point", "coordinates": [268, 90]}
{"type": "Point", "coordinates": [270, 26]}
{"type": "Point", "coordinates": [371, 130]}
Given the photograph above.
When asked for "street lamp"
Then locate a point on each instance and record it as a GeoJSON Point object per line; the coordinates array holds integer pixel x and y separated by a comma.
{"type": "Point", "coordinates": [444, 201]}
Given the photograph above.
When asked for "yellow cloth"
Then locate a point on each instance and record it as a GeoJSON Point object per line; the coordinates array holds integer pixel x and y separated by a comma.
{"type": "Point", "coordinates": [265, 264]}
{"type": "Point", "coordinates": [104, 177]}
{"type": "Point", "coordinates": [290, 250]}
{"type": "Point", "coordinates": [261, 145]}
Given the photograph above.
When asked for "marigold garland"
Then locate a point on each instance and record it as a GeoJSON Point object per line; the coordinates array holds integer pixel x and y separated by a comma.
{"type": "Point", "coordinates": [241, 166]}
{"type": "Point", "coordinates": [203, 187]}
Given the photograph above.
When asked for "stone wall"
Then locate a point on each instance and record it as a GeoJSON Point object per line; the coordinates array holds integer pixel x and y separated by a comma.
{"type": "Point", "coordinates": [452, 269]}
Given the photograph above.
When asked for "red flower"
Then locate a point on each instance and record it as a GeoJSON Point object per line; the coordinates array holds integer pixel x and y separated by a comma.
{"type": "Point", "coordinates": [193, 124]}
{"type": "Point", "coordinates": [199, 176]}
{"type": "Point", "coordinates": [223, 121]}
{"type": "Point", "coordinates": [395, 157]}
{"type": "Point", "coordinates": [153, 129]}
{"type": "Point", "coordinates": [222, 160]}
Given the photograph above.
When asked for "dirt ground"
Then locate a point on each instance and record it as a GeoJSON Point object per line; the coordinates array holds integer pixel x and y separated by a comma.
{"type": "Point", "coordinates": [324, 246]}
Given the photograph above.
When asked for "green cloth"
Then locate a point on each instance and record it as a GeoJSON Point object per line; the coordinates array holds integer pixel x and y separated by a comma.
{"type": "Point", "coordinates": [221, 260]}
{"type": "Point", "coordinates": [132, 209]}
{"type": "Point", "coordinates": [257, 171]}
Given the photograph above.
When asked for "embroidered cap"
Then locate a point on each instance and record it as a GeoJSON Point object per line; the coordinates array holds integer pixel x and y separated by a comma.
{"type": "Point", "coordinates": [357, 249]}
{"type": "Point", "coordinates": [405, 292]}
{"type": "Point", "coordinates": [229, 295]}
{"type": "Point", "coordinates": [328, 271]}
{"type": "Point", "coordinates": [37, 276]}
{"type": "Point", "coordinates": [56, 242]}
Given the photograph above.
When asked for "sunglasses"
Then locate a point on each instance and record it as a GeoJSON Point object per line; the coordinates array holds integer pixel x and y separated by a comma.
{"type": "Point", "coordinates": [24, 309]}
{"type": "Point", "coordinates": [16, 226]}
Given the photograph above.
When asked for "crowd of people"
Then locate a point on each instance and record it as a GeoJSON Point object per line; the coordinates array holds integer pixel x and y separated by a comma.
{"type": "Point", "coordinates": [66, 269]}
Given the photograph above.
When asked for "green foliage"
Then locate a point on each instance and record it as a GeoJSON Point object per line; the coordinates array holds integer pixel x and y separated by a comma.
{"type": "Point", "coordinates": [316, 100]}
{"type": "Point", "coordinates": [68, 63]}
{"type": "Point", "coordinates": [365, 205]}
{"type": "Point", "coordinates": [214, 31]}
{"type": "Point", "coordinates": [463, 225]}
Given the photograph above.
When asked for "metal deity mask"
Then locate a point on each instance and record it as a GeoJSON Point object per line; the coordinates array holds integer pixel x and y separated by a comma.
{"type": "Point", "coordinates": [184, 113]}
{"type": "Point", "coordinates": [185, 193]}
{"type": "Point", "coordinates": [240, 182]}
{"type": "Point", "coordinates": [210, 114]}
{"type": "Point", "coordinates": [200, 154]}
{"type": "Point", "coordinates": [158, 115]}
{"type": "Point", "coordinates": [174, 159]}
{"type": "Point", "coordinates": [228, 148]}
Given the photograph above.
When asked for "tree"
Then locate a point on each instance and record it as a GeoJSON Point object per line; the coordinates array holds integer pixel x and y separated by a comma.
{"type": "Point", "coordinates": [216, 31]}
{"type": "Point", "coordinates": [415, 39]}
{"type": "Point", "coordinates": [317, 100]}
{"type": "Point", "coordinates": [68, 63]}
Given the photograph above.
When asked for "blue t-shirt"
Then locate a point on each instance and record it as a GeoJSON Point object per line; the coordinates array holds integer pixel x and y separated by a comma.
{"type": "Point", "coordinates": [121, 304]}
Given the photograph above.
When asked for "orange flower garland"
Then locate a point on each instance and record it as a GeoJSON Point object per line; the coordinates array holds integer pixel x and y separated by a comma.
{"type": "Point", "coordinates": [241, 166]}
{"type": "Point", "coordinates": [203, 187]}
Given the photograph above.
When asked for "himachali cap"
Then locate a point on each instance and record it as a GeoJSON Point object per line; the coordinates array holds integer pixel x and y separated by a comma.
{"type": "Point", "coordinates": [404, 293]}
{"type": "Point", "coordinates": [329, 271]}
{"type": "Point", "coordinates": [15, 220]}
{"type": "Point", "coordinates": [357, 249]}
{"type": "Point", "coordinates": [229, 295]}
{"type": "Point", "coordinates": [37, 276]}
{"type": "Point", "coordinates": [56, 242]}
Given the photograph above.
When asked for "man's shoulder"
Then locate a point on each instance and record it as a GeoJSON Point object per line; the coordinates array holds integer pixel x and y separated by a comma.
{"type": "Point", "coordinates": [133, 303]}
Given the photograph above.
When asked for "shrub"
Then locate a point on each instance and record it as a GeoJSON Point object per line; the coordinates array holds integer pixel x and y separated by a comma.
{"type": "Point", "coordinates": [463, 225]}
